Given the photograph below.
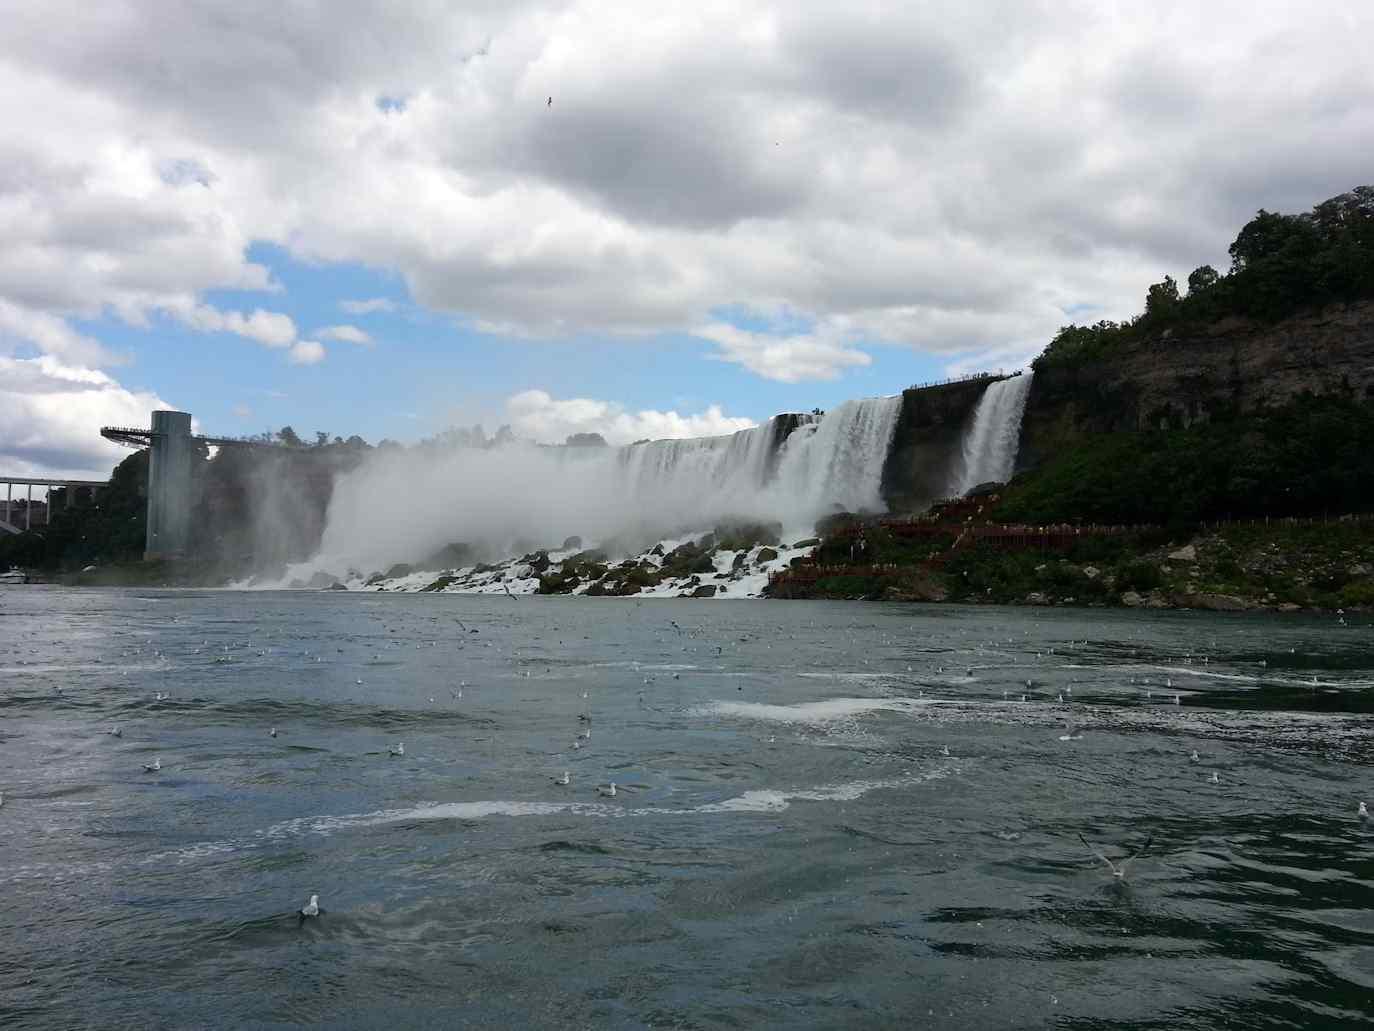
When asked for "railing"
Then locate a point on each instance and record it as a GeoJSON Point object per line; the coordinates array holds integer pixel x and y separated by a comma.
{"type": "Point", "coordinates": [966, 378]}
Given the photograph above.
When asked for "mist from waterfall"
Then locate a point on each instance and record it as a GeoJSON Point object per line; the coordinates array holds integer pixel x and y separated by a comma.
{"type": "Point", "coordinates": [402, 505]}
{"type": "Point", "coordinates": [990, 446]}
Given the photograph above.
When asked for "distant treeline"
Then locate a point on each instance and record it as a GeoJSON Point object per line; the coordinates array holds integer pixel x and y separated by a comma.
{"type": "Point", "coordinates": [1280, 265]}
{"type": "Point", "coordinates": [1310, 456]}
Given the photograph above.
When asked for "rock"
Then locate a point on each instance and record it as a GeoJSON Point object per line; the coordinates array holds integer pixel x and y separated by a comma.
{"type": "Point", "coordinates": [537, 560]}
{"type": "Point", "coordinates": [1217, 602]}
{"type": "Point", "coordinates": [766, 555]}
{"type": "Point", "coordinates": [810, 542]}
{"type": "Point", "coordinates": [1037, 598]}
{"type": "Point", "coordinates": [1359, 569]}
{"type": "Point", "coordinates": [705, 591]}
{"type": "Point", "coordinates": [1187, 553]}
{"type": "Point", "coordinates": [1289, 606]}
{"type": "Point", "coordinates": [1041, 567]}
{"type": "Point", "coordinates": [740, 560]}
{"type": "Point", "coordinates": [321, 580]}
{"type": "Point", "coordinates": [573, 543]}
{"type": "Point", "coordinates": [399, 569]}
{"type": "Point", "coordinates": [296, 584]}
{"type": "Point", "coordinates": [336, 586]}
{"type": "Point", "coordinates": [1091, 572]}
{"type": "Point", "coordinates": [1132, 600]}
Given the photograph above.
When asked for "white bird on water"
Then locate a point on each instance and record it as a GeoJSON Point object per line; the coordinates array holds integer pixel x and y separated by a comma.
{"type": "Point", "coordinates": [311, 908]}
{"type": "Point", "coordinates": [944, 750]}
{"type": "Point", "coordinates": [400, 749]}
{"type": "Point", "coordinates": [153, 766]}
{"type": "Point", "coordinates": [607, 789]}
{"type": "Point", "coordinates": [272, 732]}
{"type": "Point", "coordinates": [1363, 812]}
{"type": "Point", "coordinates": [564, 780]}
{"type": "Point", "coordinates": [1071, 733]}
{"type": "Point", "coordinates": [115, 731]}
{"type": "Point", "coordinates": [1215, 778]}
{"type": "Point", "coordinates": [1118, 869]}
{"type": "Point", "coordinates": [1195, 757]}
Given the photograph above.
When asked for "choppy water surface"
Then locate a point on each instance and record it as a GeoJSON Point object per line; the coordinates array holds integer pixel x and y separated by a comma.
{"type": "Point", "coordinates": [788, 846]}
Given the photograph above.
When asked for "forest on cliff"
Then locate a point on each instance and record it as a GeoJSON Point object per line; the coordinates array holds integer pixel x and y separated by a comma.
{"type": "Point", "coordinates": [1280, 265]}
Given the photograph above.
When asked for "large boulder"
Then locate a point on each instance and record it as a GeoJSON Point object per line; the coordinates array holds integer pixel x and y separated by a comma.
{"type": "Point", "coordinates": [321, 580]}
{"type": "Point", "coordinates": [766, 555]}
{"type": "Point", "coordinates": [573, 543]}
{"type": "Point", "coordinates": [705, 591]}
{"type": "Point", "coordinates": [1187, 553]}
{"type": "Point", "coordinates": [399, 569]}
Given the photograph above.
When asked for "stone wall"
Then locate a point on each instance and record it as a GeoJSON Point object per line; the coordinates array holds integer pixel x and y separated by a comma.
{"type": "Point", "coordinates": [1178, 379]}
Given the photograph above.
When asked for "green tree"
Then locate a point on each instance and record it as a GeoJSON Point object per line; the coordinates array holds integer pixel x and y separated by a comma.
{"type": "Point", "coordinates": [1204, 277]}
{"type": "Point", "coordinates": [288, 437]}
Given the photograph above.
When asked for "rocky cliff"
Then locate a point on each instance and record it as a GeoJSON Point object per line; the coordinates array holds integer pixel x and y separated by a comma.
{"type": "Point", "coordinates": [926, 451]}
{"type": "Point", "coordinates": [1176, 379]}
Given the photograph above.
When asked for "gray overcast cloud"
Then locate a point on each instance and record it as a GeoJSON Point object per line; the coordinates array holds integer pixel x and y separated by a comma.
{"type": "Point", "coordinates": [953, 178]}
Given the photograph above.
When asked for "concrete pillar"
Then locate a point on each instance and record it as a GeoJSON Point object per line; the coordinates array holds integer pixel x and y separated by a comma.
{"type": "Point", "coordinates": [9, 502]}
{"type": "Point", "coordinates": [169, 486]}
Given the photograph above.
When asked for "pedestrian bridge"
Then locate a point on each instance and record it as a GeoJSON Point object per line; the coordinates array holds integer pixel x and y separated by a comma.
{"type": "Point", "coordinates": [9, 523]}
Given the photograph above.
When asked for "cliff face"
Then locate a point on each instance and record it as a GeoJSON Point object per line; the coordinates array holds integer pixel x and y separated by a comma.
{"type": "Point", "coordinates": [1233, 366]}
{"type": "Point", "coordinates": [926, 451]}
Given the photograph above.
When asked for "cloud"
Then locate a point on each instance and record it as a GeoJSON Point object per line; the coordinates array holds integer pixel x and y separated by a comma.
{"type": "Point", "coordinates": [306, 352]}
{"type": "Point", "coordinates": [537, 415]}
{"type": "Point", "coordinates": [241, 412]}
{"type": "Point", "coordinates": [51, 413]}
{"type": "Point", "coordinates": [787, 359]}
{"type": "Point", "coordinates": [943, 177]}
{"type": "Point", "coordinates": [365, 307]}
{"type": "Point", "coordinates": [269, 328]}
{"type": "Point", "coordinates": [348, 334]}
{"type": "Point", "coordinates": [49, 334]}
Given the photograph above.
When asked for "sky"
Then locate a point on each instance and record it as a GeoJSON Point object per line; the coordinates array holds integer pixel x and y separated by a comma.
{"type": "Point", "coordinates": [389, 217]}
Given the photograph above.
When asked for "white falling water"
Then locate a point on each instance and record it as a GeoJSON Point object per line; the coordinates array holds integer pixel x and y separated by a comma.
{"type": "Point", "coordinates": [991, 443]}
{"type": "Point", "coordinates": [402, 506]}
{"type": "Point", "coordinates": [837, 463]}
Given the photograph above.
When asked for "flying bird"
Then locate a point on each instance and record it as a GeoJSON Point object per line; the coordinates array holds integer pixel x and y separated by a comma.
{"type": "Point", "coordinates": [1118, 869]}
{"type": "Point", "coordinates": [400, 749]}
{"type": "Point", "coordinates": [153, 766]}
{"type": "Point", "coordinates": [550, 103]}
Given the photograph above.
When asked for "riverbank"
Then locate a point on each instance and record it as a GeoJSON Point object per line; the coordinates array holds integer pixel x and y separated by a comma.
{"type": "Point", "coordinates": [1281, 566]}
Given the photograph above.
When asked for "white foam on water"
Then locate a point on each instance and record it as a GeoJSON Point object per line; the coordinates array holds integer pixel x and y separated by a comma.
{"type": "Point", "coordinates": [827, 711]}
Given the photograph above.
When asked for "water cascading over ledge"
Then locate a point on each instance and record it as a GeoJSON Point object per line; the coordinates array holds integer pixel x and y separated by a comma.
{"type": "Point", "coordinates": [791, 470]}
{"type": "Point", "coordinates": [990, 446]}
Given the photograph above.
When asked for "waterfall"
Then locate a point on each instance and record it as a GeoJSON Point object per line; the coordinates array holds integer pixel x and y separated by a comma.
{"type": "Point", "coordinates": [516, 497]}
{"type": "Point", "coordinates": [990, 445]}
{"type": "Point", "coordinates": [837, 463]}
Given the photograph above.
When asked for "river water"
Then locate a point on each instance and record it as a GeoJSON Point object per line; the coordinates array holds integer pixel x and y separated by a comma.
{"type": "Point", "coordinates": [788, 847]}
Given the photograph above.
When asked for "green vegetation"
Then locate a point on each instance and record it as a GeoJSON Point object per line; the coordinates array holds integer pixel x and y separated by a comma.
{"type": "Point", "coordinates": [1280, 265]}
{"type": "Point", "coordinates": [1314, 455]}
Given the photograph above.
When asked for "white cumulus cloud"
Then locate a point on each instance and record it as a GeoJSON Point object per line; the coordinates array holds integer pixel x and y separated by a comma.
{"type": "Point", "coordinates": [51, 414]}
{"type": "Point", "coordinates": [306, 352]}
{"type": "Point", "coordinates": [537, 415]}
{"type": "Point", "coordinates": [785, 358]}
{"type": "Point", "coordinates": [270, 328]}
{"type": "Point", "coordinates": [348, 334]}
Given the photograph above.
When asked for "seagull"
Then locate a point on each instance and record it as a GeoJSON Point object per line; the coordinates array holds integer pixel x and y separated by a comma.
{"type": "Point", "coordinates": [272, 732]}
{"type": "Point", "coordinates": [586, 735]}
{"type": "Point", "coordinates": [1215, 778]}
{"type": "Point", "coordinates": [1071, 733]}
{"type": "Point", "coordinates": [153, 766]}
{"type": "Point", "coordinates": [311, 908]}
{"type": "Point", "coordinates": [400, 749]}
{"type": "Point", "coordinates": [577, 744]}
{"type": "Point", "coordinates": [1177, 700]}
{"type": "Point", "coordinates": [550, 103]}
{"type": "Point", "coordinates": [944, 750]}
{"type": "Point", "coordinates": [1195, 757]}
{"type": "Point", "coordinates": [161, 697]}
{"type": "Point", "coordinates": [115, 731]}
{"type": "Point", "coordinates": [607, 789]}
{"type": "Point", "coordinates": [1118, 869]}
{"type": "Point", "coordinates": [1363, 812]}
{"type": "Point", "coordinates": [564, 780]}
